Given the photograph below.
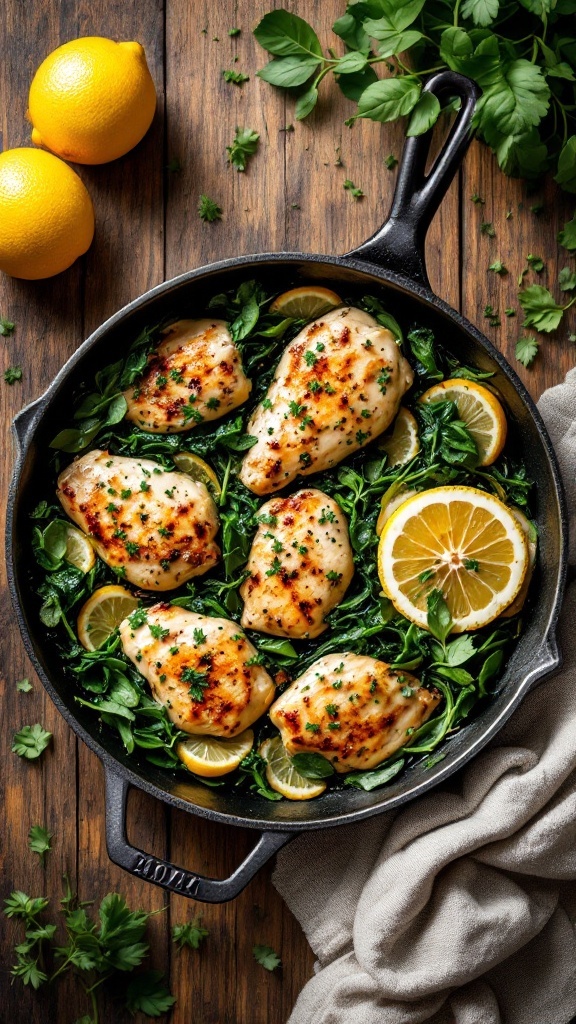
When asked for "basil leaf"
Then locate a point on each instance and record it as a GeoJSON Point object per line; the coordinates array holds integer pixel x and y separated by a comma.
{"type": "Point", "coordinates": [421, 342]}
{"type": "Point", "coordinates": [351, 62]}
{"type": "Point", "coordinates": [116, 410]}
{"type": "Point", "coordinates": [354, 85]}
{"type": "Point", "coordinates": [396, 42]}
{"type": "Point", "coordinates": [351, 31]}
{"type": "Point", "coordinates": [312, 766]}
{"type": "Point", "coordinates": [287, 72]}
{"type": "Point", "coordinates": [456, 675]}
{"type": "Point", "coordinates": [489, 669]}
{"type": "Point", "coordinates": [396, 16]}
{"type": "Point", "coordinates": [424, 115]}
{"type": "Point", "coordinates": [306, 102]}
{"type": "Point", "coordinates": [388, 99]}
{"type": "Point", "coordinates": [371, 779]}
{"type": "Point", "coordinates": [285, 34]}
{"type": "Point", "coordinates": [246, 320]}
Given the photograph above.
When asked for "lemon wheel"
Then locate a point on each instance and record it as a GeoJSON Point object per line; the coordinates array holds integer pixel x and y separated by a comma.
{"type": "Point", "coordinates": [79, 551]}
{"type": "Point", "coordinates": [282, 775]}
{"type": "Point", "coordinates": [401, 444]}
{"type": "Point", "coordinates": [529, 531]}
{"type": "Point", "coordinates": [102, 614]}
{"type": "Point", "coordinates": [211, 756]}
{"type": "Point", "coordinates": [197, 469]}
{"type": "Point", "coordinates": [479, 409]}
{"type": "Point", "coordinates": [305, 303]}
{"type": "Point", "coordinates": [458, 540]}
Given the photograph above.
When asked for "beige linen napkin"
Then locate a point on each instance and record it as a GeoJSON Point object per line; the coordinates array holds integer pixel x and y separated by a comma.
{"type": "Point", "coordinates": [458, 908]}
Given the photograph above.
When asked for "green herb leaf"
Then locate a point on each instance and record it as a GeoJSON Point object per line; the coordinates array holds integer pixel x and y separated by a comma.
{"type": "Point", "coordinates": [306, 103]}
{"type": "Point", "coordinates": [526, 351]}
{"type": "Point", "coordinates": [147, 992]}
{"type": "Point", "coordinates": [287, 72]}
{"type": "Point", "coordinates": [567, 236]}
{"type": "Point", "coordinates": [567, 279]}
{"type": "Point", "coordinates": [24, 686]}
{"type": "Point", "coordinates": [438, 617]}
{"type": "Point", "coordinates": [31, 741]}
{"type": "Point", "coordinates": [39, 840]}
{"type": "Point", "coordinates": [266, 957]}
{"type": "Point", "coordinates": [208, 209]}
{"type": "Point", "coordinates": [236, 77]}
{"type": "Point", "coordinates": [389, 98]}
{"type": "Point", "coordinates": [376, 777]}
{"type": "Point", "coordinates": [540, 308]}
{"type": "Point", "coordinates": [482, 12]}
{"type": "Point", "coordinates": [424, 115]}
{"type": "Point", "coordinates": [566, 176]}
{"type": "Point", "coordinates": [6, 327]}
{"type": "Point", "coordinates": [243, 146]}
{"type": "Point", "coordinates": [285, 34]}
{"type": "Point", "coordinates": [355, 192]}
{"type": "Point", "coordinates": [312, 766]}
{"type": "Point", "coordinates": [13, 374]}
{"type": "Point", "coordinates": [191, 934]}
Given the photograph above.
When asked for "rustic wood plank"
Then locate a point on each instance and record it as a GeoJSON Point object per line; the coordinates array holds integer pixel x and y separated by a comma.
{"type": "Point", "coordinates": [519, 232]}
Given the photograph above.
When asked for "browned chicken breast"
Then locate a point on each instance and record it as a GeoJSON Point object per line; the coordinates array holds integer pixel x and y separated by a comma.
{"type": "Point", "coordinates": [338, 386]}
{"type": "Point", "coordinates": [195, 374]}
{"type": "Point", "coordinates": [201, 669]}
{"type": "Point", "coordinates": [300, 565]}
{"type": "Point", "coordinates": [154, 526]}
{"type": "Point", "coordinates": [354, 710]}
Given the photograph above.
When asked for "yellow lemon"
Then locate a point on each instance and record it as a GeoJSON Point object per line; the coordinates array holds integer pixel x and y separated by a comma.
{"type": "Point", "coordinates": [306, 302]}
{"type": "Point", "coordinates": [211, 756]}
{"type": "Point", "coordinates": [461, 541]}
{"type": "Point", "coordinates": [46, 214]}
{"type": "Point", "coordinates": [92, 100]}
{"type": "Point", "coordinates": [479, 409]}
{"type": "Point", "coordinates": [102, 613]}
{"type": "Point", "coordinates": [282, 775]}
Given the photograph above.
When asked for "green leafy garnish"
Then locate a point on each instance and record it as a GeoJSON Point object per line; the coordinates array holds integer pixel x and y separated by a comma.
{"type": "Point", "coordinates": [526, 351]}
{"type": "Point", "coordinates": [39, 840]}
{"type": "Point", "coordinates": [236, 77]}
{"type": "Point", "coordinates": [243, 146]}
{"type": "Point", "coordinates": [24, 685]}
{"type": "Point", "coordinates": [355, 192]}
{"type": "Point", "coordinates": [6, 327]}
{"type": "Point", "coordinates": [312, 766]}
{"type": "Point", "coordinates": [191, 934]}
{"type": "Point", "coordinates": [266, 957]}
{"type": "Point", "coordinates": [31, 741]}
{"type": "Point", "coordinates": [208, 209]}
{"type": "Point", "coordinates": [13, 374]}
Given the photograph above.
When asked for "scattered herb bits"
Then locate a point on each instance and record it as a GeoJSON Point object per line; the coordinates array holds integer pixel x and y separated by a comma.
{"type": "Point", "coordinates": [208, 209]}
{"type": "Point", "coordinates": [266, 957]}
{"type": "Point", "coordinates": [243, 147]}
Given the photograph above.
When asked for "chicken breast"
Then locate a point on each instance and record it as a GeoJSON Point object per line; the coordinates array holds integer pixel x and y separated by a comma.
{"type": "Point", "coordinates": [156, 528]}
{"type": "Point", "coordinates": [300, 565]}
{"type": "Point", "coordinates": [201, 669]}
{"type": "Point", "coordinates": [338, 386]}
{"type": "Point", "coordinates": [194, 375]}
{"type": "Point", "coordinates": [354, 710]}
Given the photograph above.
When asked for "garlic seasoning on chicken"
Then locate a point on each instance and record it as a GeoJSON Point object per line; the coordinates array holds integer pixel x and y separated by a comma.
{"type": "Point", "coordinates": [300, 565]}
{"type": "Point", "coordinates": [338, 385]}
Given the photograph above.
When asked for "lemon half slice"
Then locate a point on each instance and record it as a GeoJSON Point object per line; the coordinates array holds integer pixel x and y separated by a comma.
{"type": "Point", "coordinates": [282, 775]}
{"type": "Point", "coordinates": [305, 303]}
{"type": "Point", "coordinates": [461, 541]}
{"type": "Point", "coordinates": [479, 409]}
{"type": "Point", "coordinates": [102, 614]}
{"type": "Point", "coordinates": [401, 444]}
{"type": "Point", "coordinates": [197, 469]}
{"type": "Point", "coordinates": [210, 756]}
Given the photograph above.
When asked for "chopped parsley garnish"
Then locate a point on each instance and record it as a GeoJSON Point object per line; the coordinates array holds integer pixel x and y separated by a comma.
{"type": "Point", "coordinates": [176, 376]}
{"type": "Point", "coordinates": [390, 162]}
{"type": "Point", "coordinates": [315, 386]}
{"type": "Point", "coordinates": [310, 359]}
{"type": "Point", "coordinates": [158, 632]}
{"type": "Point", "coordinates": [426, 575]}
{"type": "Point", "coordinates": [121, 534]}
{"type": "Point", "coordinates": [236, 77]}
{"type": "Point", "coordinates": [327, 516]}
{"type": "Point", "coordinates": [296, 409]}
{"type": "Point", "coordinates": [165, 564]}
{"type": "Point", "coordinates": [337, 685]}
{"type": "Point", "coordinates": [487, 228]}
{"type": "Point", "coordinates": [173, 650]}
{"type": "Point", "coordinates": [144, 486]}
{"type": "Point", "coordinates": [354, 191]}
{"type": "Point", "coordinates": [209, 210]}
{"type": "Point", "coordinates": [12, 374]}
{"type": "Point", "coordinates": [6, 327]}
{"type": "Point", "coordinates": [332, 709]}
{"type": "Point", "coordinates": [126, 494]}
{"type": "Point", "coordinates": [112, 508]}
{"type": "Point", "coordinates": [361, 436]}
{"type": "Point", "coordinates": [382, 380]}
{"type": "Point", "coordinates": [266, 404]}
{"type": "Point", "coordinates": [274, 568]}
{"type": "Point", "coordinates": [199, 636]}
{"type": "Point", "coordinates": [334, 725]}
{"type": "Point", "coordinates": [471, 564]}
{"type": "Point", "coordinates": [244, 146]}
{"type": "Point", "coordinates": [164, 531]}
{"type": "Point", "coordinates": [407, 691]}
{"type": "Point", "coordinates": [198, 683]}
{"type": "Point", "coordinates": [333, 576]}
{"type": "Point", "coordinates": [131, 547]}
{"type": "Point", "coordinates": [312, 727]}
{"type": "Point", "coordinates": [213, 403]}
{"type": "Point", "coordinates": [267, 519]}
{"type": "Point", "coordinates": [305, 458]}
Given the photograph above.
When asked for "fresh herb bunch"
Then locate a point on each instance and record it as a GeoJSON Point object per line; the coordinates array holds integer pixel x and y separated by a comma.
{"type": "Point", "coordinates": [106, 682]}
{"type": "Point", "coordinates": [97, 952]}
{"type": "Point", "coordinates": [522, 55]}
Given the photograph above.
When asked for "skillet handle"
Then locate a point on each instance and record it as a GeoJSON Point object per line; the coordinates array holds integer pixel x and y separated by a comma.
{"type": "Point", "coordinates": [167, 875]}
{"type": "Point", "coordinates": [24, 420]}
{"type": "Point", "coordinates": [399, 244]}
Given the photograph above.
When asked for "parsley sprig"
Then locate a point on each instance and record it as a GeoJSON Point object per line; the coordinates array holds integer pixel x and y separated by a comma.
{"type": "Point", "coordinates": [521, 54]}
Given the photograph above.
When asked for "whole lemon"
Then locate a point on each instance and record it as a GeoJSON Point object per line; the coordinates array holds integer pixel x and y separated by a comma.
{"type": "Point", "coordinates": [92, 100]}
{"type": "Point", "coordinates": [46, 214]}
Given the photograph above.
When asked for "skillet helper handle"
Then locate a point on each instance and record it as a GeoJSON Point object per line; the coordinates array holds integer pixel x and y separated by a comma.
{"type": "Point", "coordinates": [399, 244]}
{"type": "Point", "coordinates": [24, 420]}
{"type": "Point", "coordinates": [167, 875]}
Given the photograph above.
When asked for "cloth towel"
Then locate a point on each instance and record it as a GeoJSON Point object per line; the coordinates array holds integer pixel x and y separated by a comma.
{"type": "Point", "coordinates": [458, 909]}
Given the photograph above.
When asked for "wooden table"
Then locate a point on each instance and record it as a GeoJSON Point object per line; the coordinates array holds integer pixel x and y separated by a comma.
{"type": "Point", "coordinates": [148, 230]}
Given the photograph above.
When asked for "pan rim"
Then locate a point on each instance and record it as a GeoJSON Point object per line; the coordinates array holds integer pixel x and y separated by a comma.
{"type": "Point", "coordinates": [435, 775]}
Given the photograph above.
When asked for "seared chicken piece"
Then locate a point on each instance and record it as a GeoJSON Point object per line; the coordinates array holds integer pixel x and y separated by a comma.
{"type": "Point", "coordinates": [338, 386]}
{"type": "Point", "coordinates": [354, 710]}
{"type": "Point", "coordinates": [155, 527]}
{"type": "Point", "coordinates": [300, 565]}
{"type": "Point", "coordinates": [203, 670]}
{"type": "Point", "coordinates": [195, 374]}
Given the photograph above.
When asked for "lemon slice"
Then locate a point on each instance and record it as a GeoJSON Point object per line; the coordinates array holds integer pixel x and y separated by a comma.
{"type": "Point", "coordinates": [103, 613]}
{"type": "Point", "coordinates": [197, 469]}
{"type": "Point", "coordinates": [401, 444]}
{"type": "Point", "coordinates": [282, 775]}
{"type": "Point", "coordinates": [305, 303]}
{"type": "Point", "coordinates": [532, 541]}
{"type": "Point", "coordinates": [389, 505]}
{"type": "Point", "coordinates": [479, 409]}
{"type": "Point", "coordinates": [79, 551]}
{"type": "Point", "coordinates": [210, 756]}
{"type": "Point", "coordinates": [461, 541]}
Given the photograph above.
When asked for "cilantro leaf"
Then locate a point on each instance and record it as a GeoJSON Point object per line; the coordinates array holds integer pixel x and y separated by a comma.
{"type": "Point", "coordinates": [243, 146]}
{"type": "Point", "coordinates": [567, 236]}
{"type": "Point", "coordinates": [31, 741]}
{"type": "Point", "coordinates": [482, 12]}
{"type": "Point", "coordinates": [355, 192]}
{"type": "Point", "coordinates": [236, 77]}
{"type": "Point", "coordinates": [541, 310]}
{"type": "Point", "coordinates": [567, 279]}
{"type": "Point", "coordinates": [24, 686]}
{"type": "Point", "coordinates": [208, 209]}
{"type": "Point", "coordinates": [439, 618]}
{"type": "Point", "coordinates": [39, 840]}
{"type": "Point", "coordinates": [191, 934]}
{"type": "Point", "coordinates": [147, 992]}
{"type": "Point", "coordinates": [266, 957]}
{"type": "Point", "coordinates": [516, 100]}
{"type": "Point", "coordinates": [498, 267]}
{"type": "Point", "coordinates": [6, 327]}
{"type": "Point", "coordinates": [526, 351]}
{"type": "Point", "coordinates": [12, 374]}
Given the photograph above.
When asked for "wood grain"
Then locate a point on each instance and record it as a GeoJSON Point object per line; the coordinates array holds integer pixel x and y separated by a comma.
{"type": "Point", "coordinates": [290, 198]}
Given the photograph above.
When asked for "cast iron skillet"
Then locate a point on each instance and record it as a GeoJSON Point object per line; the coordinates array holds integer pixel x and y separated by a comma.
{"type": "Point", "coordinates": [390, 263]}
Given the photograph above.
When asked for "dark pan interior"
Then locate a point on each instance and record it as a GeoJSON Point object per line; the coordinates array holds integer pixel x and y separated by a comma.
{"type": "Point", "coordinates": [535, 654]}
